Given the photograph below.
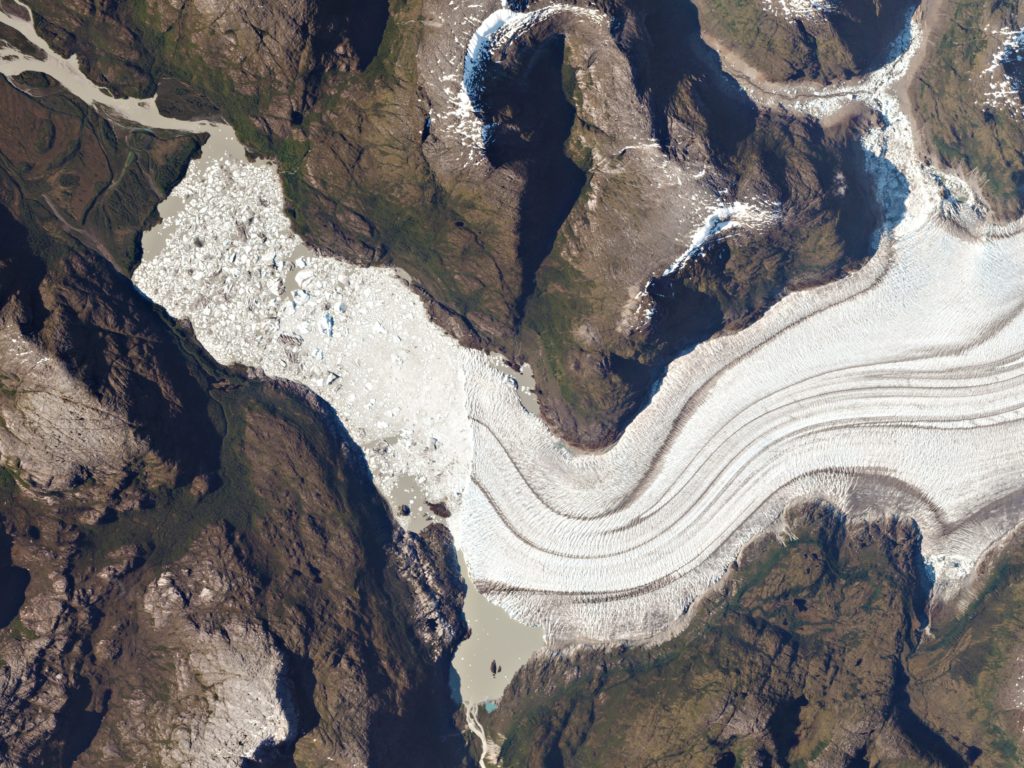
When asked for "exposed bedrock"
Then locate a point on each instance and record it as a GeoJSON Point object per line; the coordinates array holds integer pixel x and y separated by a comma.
{"type": "Point", "coordinates": [154, 616]}
{"type": "Point", "coordinates": [259, 62]}
{"type": "Point", "coordinates": [613, 135]}
{"type": "Point", "coordinates": [968, 100]}
{"type": "Point", "coordinates": [287, 637]}
{"type": "Point", "coordinates": [821, 40]}
{"type": "Point", "coordinates": [87, 363]}
{"type": "Point", "coordinates": [779, 666]}
{"type": "Point", "coordinates": [195, 567]}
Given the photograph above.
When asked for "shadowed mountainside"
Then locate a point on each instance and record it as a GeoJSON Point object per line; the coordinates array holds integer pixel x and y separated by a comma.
{"type": "Point", "coordinates": [543, 246]}
{"type": "Point", "coordinates": [823, 41]}
{"type": "Point", "coordinates": [196, 566]}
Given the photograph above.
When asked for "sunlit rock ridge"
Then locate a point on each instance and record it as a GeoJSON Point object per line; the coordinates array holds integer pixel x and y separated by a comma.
{"type": "Point", "coordinates": [898, 388]}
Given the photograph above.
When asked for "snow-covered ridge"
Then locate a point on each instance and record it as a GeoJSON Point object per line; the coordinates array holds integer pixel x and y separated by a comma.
{"type": "Point", "coordinates": [478, 49]}
{"type": "Point", "coordinates": [721, 219]}
{"type": "Point", "coordinates": [497, 30]}
{"type": "Point", "coordinates": [1004, 90]}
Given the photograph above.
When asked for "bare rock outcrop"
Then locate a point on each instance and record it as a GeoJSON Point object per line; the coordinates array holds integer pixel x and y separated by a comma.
{"type": "Point", "coordinates": [52, 428]}
{"type": "Point", "coordinates": [427, 564]}
{"type": "Point", "coordinates": [43, 621]}
{"type": "Point", "coordinates": [230, 598]}
{"type": "Point", "coordinates": [227, 696]}
{"type": "Point", "coordinates": [537, 183]}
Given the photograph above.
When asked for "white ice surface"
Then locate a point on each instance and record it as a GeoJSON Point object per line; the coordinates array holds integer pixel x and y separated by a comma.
{"type": "Point", "coordinates": [909, 370]}
{"type": "Point", "coordinates": [358, 337]}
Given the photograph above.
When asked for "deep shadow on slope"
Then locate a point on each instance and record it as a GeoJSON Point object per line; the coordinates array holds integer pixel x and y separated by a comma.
{"type": "Point", "coordinates": [14, 581]}
{"type": "Point", "coordinates": [666, 53]}
{"type": "Point", "coordinates": [731, 282]}
{"type": "Point", "coordinates": [265, 467]}
{"type": "Point", "coordinates": [529, 118]}
{"type": "Point", "coordinates": [359, 183]}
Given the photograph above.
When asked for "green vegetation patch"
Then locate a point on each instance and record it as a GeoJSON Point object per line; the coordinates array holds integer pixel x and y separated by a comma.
{"type": "Point", "coordinates": [967, 134]}
{"type": "Point", "coordinates": [807, 635]}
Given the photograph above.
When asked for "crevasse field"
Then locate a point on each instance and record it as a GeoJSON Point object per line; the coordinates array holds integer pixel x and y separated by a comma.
{"type": "Point", "coordinates": [899, 389]}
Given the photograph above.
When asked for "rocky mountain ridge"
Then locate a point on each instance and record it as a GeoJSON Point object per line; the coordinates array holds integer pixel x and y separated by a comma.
{"type": "Point", "coordinates": [196, 567]}
{"type": "Point", "coordinates": [185, 527]}
{"type": "Point", "coordinates": [818, 649]}
{"type": "Point", "coordinates": [546, 245]}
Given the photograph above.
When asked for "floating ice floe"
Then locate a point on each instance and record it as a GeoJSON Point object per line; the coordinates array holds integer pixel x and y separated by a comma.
{"type": "Point", "coordinates": [360, 338]}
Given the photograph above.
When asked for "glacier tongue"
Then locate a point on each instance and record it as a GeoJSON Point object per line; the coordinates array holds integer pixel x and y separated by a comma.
{"type": "Point", "coordinates": [897, 389]}
{"type": "Point", "coordinates": [908, 371]}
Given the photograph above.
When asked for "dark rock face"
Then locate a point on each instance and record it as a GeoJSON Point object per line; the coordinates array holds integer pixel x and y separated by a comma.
{"type": "Point", "coordinates": [967, 129]}
{"type": "Point", "coordinates": [14, 581]}
{"type": "Point", "coordinates": [184, 551]}
{"type": "Point", "coordinates": [72, 220]}
{"type": "Point", "coordinates": [844, 39]}
{"type": "Point", "coordinates": [274, 599]}
{"type": "Point", "coordinates": [595, 225]}
{"type": "Point", "coordinates": [264, 59]}
{"type": "Point", "coordinates": [811, 650]}
{"type": "Point", "coordinates": [530, 118]}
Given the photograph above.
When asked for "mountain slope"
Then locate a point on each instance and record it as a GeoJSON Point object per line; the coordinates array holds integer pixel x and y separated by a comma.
{"type": "Point", "coordinates": [184, 548]}
{"type": "Point", "coordinates": [810, 653]}
{"type": "Point", "coordinates": [613, 135]}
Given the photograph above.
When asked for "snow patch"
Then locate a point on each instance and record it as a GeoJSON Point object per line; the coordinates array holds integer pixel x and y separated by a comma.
{"type": "Point", "coordinates": [720, 220]}
{"type": "Point", "coordinates": [1004, 89]}
{"type": "Point", "coordinates": [799, 10]}
{"type": "Point", "coordinates": [497, 30]}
